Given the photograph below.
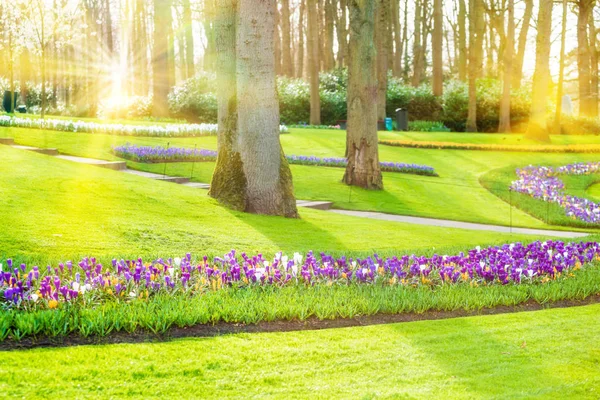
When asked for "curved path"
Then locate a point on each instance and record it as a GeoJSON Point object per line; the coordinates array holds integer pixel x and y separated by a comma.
{"type": "Point", "coordinates": [320, 205]}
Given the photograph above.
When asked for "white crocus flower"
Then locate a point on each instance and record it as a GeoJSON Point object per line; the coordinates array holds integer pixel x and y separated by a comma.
{"type": "Point", "coordinates": [132, 295]}
{"type": "Point", "coordinates": [171, 271]}
{"type": "Point", "coordinates": [76, 286]}
{"type": "Point", "coordinates": [34, 297]}
{"type": "Point", "coordinates": [177, 262]}
{"type": "Point", "coordinates": [284, 260]}
{"type": "Point", "coordinates": [297, 258]}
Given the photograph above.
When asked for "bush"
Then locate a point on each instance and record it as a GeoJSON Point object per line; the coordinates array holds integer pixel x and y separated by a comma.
{"type": "Point", "coordinates": [572, 125]}
{"type": "Point", "coordinates": [427, 126]}
{"type": "Point", "coordinates": [420, 102]}
{"type": "Point", "coordinates": [195, 100]}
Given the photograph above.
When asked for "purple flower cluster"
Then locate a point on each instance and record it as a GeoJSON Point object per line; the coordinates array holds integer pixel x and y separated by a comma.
{"type": "Point", "coordinates": [543, 183]}
{"type": "Point", "coordinates": [149, 154]}
{"type": "Point", "coordinates": [538, 262]}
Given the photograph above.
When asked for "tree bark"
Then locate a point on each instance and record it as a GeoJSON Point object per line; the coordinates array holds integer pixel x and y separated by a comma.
{"type": "Point", "coordinates": [520, 56]}
{"type": "Point", "coordinates": [269, 188]}
{"type": "Point", "coordinates": [504, 125]}
{"type": "Point", "coordinates": [209, 32]}
{"type": "Point", "coordinates": [363, 168]}
{"type": "Point", "coordinates": [561, 72]}
{"type": "Point", "coordinates": [342, 34]}
{"type": "Point", "coordinates": [160, 58]}
{"type": "Point", "coordinates": [462, 41]}
{"type": "Point", "coordinates": [417, 46]}
{"type": "Point", "coordinates": [538, 127]}
{"type": "Point", "coordinates": [476, 32]}
{"type": "Point", "coordinates": [277, 38]}
{"type": "Point", "coordinates": [437, 48]}
{"type": "Point", "coordinates": [593, 67]}
{"type": "Point", "coordinates": [189, 39]}
{"type": "Point", "coordinates": [382, 24]}
{"type": "Point", "coordinates": [584, 57]}
{"type": "Point", "coordinates": [300, 49]}
{"type": "Point", "coordinates": [228, 182]}
{"type": "Point", "coordinates": [287, 67]}
{"type": "Point", "coordinates": [329, 59]}
{"type": "Point", "coordinates": [397, 54]}
{"type": "Point", "coordinates": [313, 62]}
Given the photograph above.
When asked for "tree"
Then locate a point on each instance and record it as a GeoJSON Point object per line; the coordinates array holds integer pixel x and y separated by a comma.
{"type": "Point", "coordinates": [522, 47]}
{"type": "Point", "coordinates": [584, 11]}
{"type": "Point", "coordinates": [361, 138]}
{"type": "Point", "coordinates": [437, 48]}
{"type": "Point", "coordinates": [160, 58]}
{"type": "Point", "coordinates": [561, 72]}
{"type": "Point", "coordinates": [300, 48]}
{"type": "Point", "coordinates": [269, 188]}
{"type": "Point", "coordinates": [538, 128]}
{"type": "Point", "coordinates": [475, 59]}
{"type": "Point", "coordinates": [382, 26]}
{"type": "Point", "coordinates": [593, 67]}
{"type": "Point", "coordinates": [417, 45]}
{"type": "Point", "coordinates": [189, 39]}
{"type": "Point", "coordinates": [462, 41]}
{"type": "Point", "coordinates": [287, 66]}
{"type": "Point", "coordinates": [313, 62]}
{"type": "Point", "coordinates": [509, 49]}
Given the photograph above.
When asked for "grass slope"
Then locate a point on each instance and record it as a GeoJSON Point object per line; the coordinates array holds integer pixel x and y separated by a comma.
{"type": "Point", "coordinates": [54, 209]}
{"type": "Point", "coordinates": [543, 354]}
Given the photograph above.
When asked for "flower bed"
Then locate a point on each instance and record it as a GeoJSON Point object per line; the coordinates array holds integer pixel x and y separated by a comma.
{"type": "Point", "coordinates": [159, 154]}
{"type": "Point", "coordinates": [90, 282]}
{"type": "Point", "coordinates": [304, 126]}
{"type": "Point", "coordinates": [543, 183]}
{"type": "Point", "coordinates": [571, 148]}
{"type": "Point", "coordinates": [170, 130]}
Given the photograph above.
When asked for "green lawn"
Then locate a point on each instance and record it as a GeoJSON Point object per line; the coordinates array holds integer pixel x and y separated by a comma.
{"type": "Point", "coordinates": [456, 194]}
{"type": "Point", "coordinates": [544, 354]}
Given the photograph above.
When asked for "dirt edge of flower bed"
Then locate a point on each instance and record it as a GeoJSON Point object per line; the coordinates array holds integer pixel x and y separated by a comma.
{"type": "Point", "coordinates": [311, 324]}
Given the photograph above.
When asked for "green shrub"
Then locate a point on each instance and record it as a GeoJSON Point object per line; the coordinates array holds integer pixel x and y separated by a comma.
{"type": "Point", "coordinates": [572, 125]}
{"type": "Point", "coordinates": [427, 126]}
{"type": "Point", "coordinates": [195, 100]}
{"type": "Point", "coordinates": [420, 102]}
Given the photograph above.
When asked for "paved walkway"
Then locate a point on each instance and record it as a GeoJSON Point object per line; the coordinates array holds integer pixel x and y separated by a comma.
{"type": "Point", "coordinates": [460, 225]}
{"type": "Point", "coordinates": [319, 205]}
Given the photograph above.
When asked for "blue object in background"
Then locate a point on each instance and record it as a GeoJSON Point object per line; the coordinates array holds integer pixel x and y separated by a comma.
{"type": "Point", "coordinates": [388, 124]}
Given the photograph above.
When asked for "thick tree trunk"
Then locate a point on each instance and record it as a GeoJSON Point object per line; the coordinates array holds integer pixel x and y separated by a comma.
{"type": "Point", "coordinates": [329, 11]}
{"type": "Point", "coordinates": [363, 168]}
{"type": "Point", "coordinates": [301, 48]}
{"type": "Point", "coordinates": [189, 39]}
{"type": "Point", "coordinates": [269, 188]}
{"type": "Point", "coordinates": [160, 58]}
{"type": "Point", "coordinates": [476, 32]}
{"type": "Point", "coordinates": [538, 127]}
{"type": "Point", "coordinates": [583, 57]}
{"type": "Point", "coordinates": [287, 66]}
{"type": "Point", "coordinates": [417, 46]}
{"type": "Point", "coordinates": [437, 48]}
{"type": "Point", "coordinates": [277, 38]}
{"type": "Point", "coordinates": [229, 182]}
{"type": "Point", "coordinates": [520, 56]}
{"type": "Point", "coordinates": [313, 62]}
{"type": "Point", "coordinates": [509, 48]}
{"type": "Point", "coordinates": [382, 24]}
{"type": "Point", "coordinates": [462, 41]}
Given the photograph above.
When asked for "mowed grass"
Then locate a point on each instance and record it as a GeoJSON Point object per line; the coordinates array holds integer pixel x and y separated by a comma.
{"type": "Point", "coordinates": [53, 210]}
{"type": "Point", "coordinates": [543, 354]}
{"type": "Point", "coordinates": [457, 194]}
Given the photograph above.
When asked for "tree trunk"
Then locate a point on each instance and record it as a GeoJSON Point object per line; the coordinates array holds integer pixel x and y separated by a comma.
{"type": "Point", "coordinates": [228, 182]}
{"type": "Point", "coordinates": [313, 62]}
{"type": "Point", "coordinates": [561, 72]}
{"type": "Point", "coordinates": [397, 54]}
{"type": "Point", "coordinates": [583, 57]}
{"type": "Point", "coordinates": [189, 39]}
{"type": "Point", "coordinates": [329, 59]}
{"type": "Point", "coordinates": [462, 41]}
{"type": "Point", "coordinates": [269, 188]}
{"type": "Point", "coordinates": [363, 168]}
{"type": "Point", "coordinates": [417, 46]}
{"type": "Point", "coordinates": [342, 34]}
{"type": "Point", "coordinates": [300, 49]}
{"type": "Point", "coordinates": [276, 38]}
{"type": "Point", "coordinates": [538, 127]}
{"type": "Point", "coordinates": [593, 68]}
{"type": "Point", "coordinates": [504, 126]}
{"type": "Point", "coordinates": [287, 67]}
{"type": "Point", "coordinates": [437, 48]}
{"type": "Point", "coordinates": [476, 32]}
{"type": "Point", "coordinates": [209, 32]}
{"type": "Point", "coordinates": [160, 58]}
{"type": "Point", "coordinates": [520, 57]}
{"type": "Point", "coordinates": [382, 24]}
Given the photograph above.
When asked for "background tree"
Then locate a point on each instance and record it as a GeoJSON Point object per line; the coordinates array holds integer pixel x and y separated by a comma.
{"type": "Point", "coordinates": [361, 137]}
{"type": "Point", "coordinates": [509, 49]}
{"type": "Point", "coordinates": [160, 58]}
{"type": "Point", "coordinates": [382, 27]}
{"type": "Point", "coordinates": [437, 48]}
{"type": "Point", "coordinates": [476, 31]}
{"type": "Point", "coordinates": [313, 62]}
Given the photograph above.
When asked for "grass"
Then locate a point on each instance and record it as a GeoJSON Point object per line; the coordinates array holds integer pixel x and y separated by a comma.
{"type": "Point", "coordinates": [501, 356]}
{"type": "Point", "coordinates": [68, 210]}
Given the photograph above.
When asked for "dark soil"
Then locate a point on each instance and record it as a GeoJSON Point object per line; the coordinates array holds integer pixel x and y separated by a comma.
{"type": "Point", "coordinates": [281, 326]}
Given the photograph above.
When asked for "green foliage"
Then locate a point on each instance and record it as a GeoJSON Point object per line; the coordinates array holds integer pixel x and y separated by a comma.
{"type": "Point", "coordinates": [420, 102]}
{"type": "Point", "coordinates": [427, 126]}
{"type": "Point", "coordinates": [196, 99]}
{"type": "Point", "coordinates": [573, 125]}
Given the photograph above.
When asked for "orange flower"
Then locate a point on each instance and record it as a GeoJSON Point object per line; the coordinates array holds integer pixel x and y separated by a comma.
{"type": "Point", "coordinates": [52, 304]}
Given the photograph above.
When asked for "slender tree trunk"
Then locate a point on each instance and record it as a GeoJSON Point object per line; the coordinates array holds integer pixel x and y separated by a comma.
{"type": "Point", "coordinates": [382, 24]}
{"type": "Point", "coordinates": [509, 47]}
{"type": "Point", "coordinates": [462, 41]}
{"type": "Point", "coordinates": [209, 32]}
{"type": "Point", "coordinates": [476, 32]}
{"type": "Point", "coordinates": [363, 168]}
{"type": "Point", "coordinates": [342, 33]}
{"type": "Point", "coordinates": [437, 48]}
{"type": "Point", "coordinates": [313, 62]}
{"type": "Point", "coordinates": [300, 49]}
{"type": "Point", "coordinates": [583, 57]}
{"type": "Point", "coordinates": [406, 62]}
{"type": "Point", "coordinates": [593, 67]}
{"type": "Point", "coordinates": [561, 73]}
{"type": "Point", "coordinates": [160, 58]}
{"type": "Point", "coordinates": [269, 188]}
{"type": "Point", "coordinates": [229, 182]}
{"type": "Point", "coordinates": [538, 127]}
{"type": "Point", "coordinates": [523, 34]}
{"type": "Point", "coordinates": [189, 39]}
{"type": "Point", "coordinates": [286, 40]}
{"type": "Point", "coordinates": [397, 54]}
{"type": "Point", "coordinates": [329, 59]}
{"type": "Point", "coordinates": [277, 38]}
{"type": "Point", "coordinates": [417, 45]}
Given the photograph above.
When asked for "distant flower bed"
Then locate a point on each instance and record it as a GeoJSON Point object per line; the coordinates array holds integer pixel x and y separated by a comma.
{"type": "Point", "coordinates": [304, 126]}
{"type": "Point", "coordinates": [89, 281]}
{"type": "Point", "coordinates": [159, 154]}
{"type": "Point", "coordinates": [170, 130]}
{"type": "Point", "coordinates": [543, 183]}
{"type": "Point", "coordinates": [571, 148]}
